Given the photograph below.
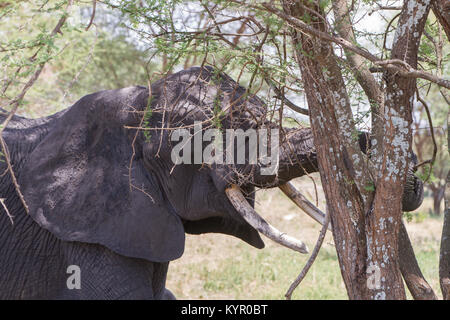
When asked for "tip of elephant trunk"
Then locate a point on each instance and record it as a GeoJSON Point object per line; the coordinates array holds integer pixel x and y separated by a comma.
{"type": "Point", "coordinates": [413, 193]}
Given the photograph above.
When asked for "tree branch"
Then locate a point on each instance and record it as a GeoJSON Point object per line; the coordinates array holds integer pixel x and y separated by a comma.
{"type": "Point", "coordinates": [362, 74]}
{"type": "Point", "coordinates": [441, 9]}
{"type": "Point", "coordinates": [288, 102]}
{"type": "Point", "coordinates": [395, 65]}
{"type": "Point", "coordinates": [311, 259]}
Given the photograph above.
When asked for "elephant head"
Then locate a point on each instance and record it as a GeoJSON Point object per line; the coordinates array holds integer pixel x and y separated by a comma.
{"type": "Point", "coordinates": [107, 172]}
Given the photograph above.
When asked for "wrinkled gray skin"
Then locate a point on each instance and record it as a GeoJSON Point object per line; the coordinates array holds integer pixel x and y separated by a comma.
{"type": "Point", "coordinates": [122, 218]}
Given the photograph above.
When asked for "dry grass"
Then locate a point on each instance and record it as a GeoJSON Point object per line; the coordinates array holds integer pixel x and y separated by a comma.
{"type": "Point", "coordinates": [216, 266]}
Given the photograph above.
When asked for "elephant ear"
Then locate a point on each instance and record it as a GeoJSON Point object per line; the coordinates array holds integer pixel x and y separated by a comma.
{"type": "Point", "coordinates": [78, 183]}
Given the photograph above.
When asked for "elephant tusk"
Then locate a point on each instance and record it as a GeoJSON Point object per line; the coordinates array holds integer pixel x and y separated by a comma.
{"type": "Point", "coordinates": [303, 203]}
{"type": "Point", "coordinates": [249, 214]}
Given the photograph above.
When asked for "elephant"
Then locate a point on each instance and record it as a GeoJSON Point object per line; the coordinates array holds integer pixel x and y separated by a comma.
{"type": "Point", "coordinates": [100, 192]}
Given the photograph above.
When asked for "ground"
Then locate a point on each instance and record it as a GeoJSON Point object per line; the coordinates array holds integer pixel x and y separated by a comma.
{"type": "Point", "coordinates": [216, 266]}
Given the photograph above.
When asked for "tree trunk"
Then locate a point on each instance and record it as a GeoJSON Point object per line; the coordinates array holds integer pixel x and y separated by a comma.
{"type": "Point", "coordinates": [414, 279]}
{"type": "Point", "coordinates": [397, 142]}
{"type": "Point", "coordinates": [438, 195]}
{"type": "Point", "coordinates": [332, 125]}
{"type": "Point", "coordinates": [444, 261]}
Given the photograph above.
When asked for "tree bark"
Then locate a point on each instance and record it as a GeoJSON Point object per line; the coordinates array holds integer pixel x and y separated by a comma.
{"type": "Point", "coordinates": [441, 9]}
{"type": "Point", "coordinates": [397, 142]}
{"type": "Point", "coordinates": [444, 261]}
{"type": "Point", "coordinates": [438, 195]}
{"type": "Point", "coordinates": [414, 279]}
{"type": "Point", "coordinates": [409, 267]}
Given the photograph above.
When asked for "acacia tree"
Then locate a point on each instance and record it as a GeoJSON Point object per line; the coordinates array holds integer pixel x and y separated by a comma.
{"type": "Point", "coordinates": [363, 193]}
{"type": "Point", "coordinates": [314, 49]}
{"type": "Point", "coordinates": [368, 221]}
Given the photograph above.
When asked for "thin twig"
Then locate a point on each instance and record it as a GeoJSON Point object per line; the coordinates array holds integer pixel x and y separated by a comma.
{"type": "Point", "coordinates": [2, 201]}
{"type": "Point", "coordinates": [385, 8]}
{"type": "Point", "coordinates": [94, 5]}
{"type": "Point", "coordinates": [88, 61]}
{"type": "Point", "coordinates": [396, 65]}
{"type": "Point", "coordinates": [386, 33]}
{"type": "Point", "coordinates": [4, 148]}
{"type": "Point", "coordinates": [311, 259]}
{"type": "Point", "coordinates": [282, 97]}
{"type": "Point", "coordinates": [430, 122]}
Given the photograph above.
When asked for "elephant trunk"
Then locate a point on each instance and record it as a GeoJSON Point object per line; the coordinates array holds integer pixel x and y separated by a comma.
{"type": "Point", "coordinates": [298, 157]}
{"type": "Point", "coordinates": [294, 156]}
{"type": "Point", "coordinates": [412, 192]}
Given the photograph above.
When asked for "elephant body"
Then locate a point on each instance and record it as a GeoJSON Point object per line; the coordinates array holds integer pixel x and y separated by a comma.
{"type": "Point", "coordinates": [75, 166]}
{"type": "Point", "coordinates": [34, 262]}
{"type": "Point", "coordinates": [105, 197]}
